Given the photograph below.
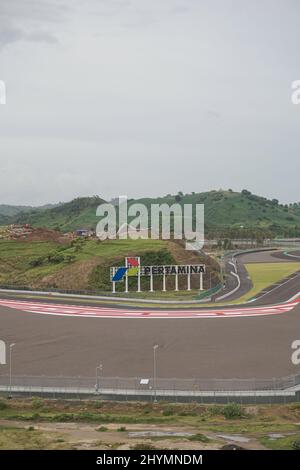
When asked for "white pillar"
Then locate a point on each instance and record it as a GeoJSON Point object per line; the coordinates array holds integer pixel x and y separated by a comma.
{"type": "Point", "coordinates": [189, 281]}
{"type": "Point", "coordinates": [176, 281]}
{"type": "Point", "coordinates": [164, 283]}
{"type": "Point", "coordinates": [201, 281]}
{"type": "Point", "coordinates": [126, 276]}
{"type": "Point", "coordinates": [139, 281]}
{"type": "Point", "coordinates": [114, 283]}
{"type": "Point", "coordinates": [151, 281]}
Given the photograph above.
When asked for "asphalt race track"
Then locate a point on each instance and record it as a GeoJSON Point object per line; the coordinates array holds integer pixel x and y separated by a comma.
{"type": "Point", "coordinates": [216, 342]}
{"type": "Point", "coordinates": [221, 347]}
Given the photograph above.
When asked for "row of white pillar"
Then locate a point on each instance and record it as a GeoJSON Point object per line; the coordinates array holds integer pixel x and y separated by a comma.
{"type": "Point", "coordinates": [151, 283]}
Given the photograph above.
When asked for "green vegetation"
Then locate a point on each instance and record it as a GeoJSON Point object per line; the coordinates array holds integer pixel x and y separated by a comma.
{"type": "Point", "coordinates": [199, 438]}
{"type": "Point", "coordinates": [143, 446]}
{"type": "Point", "coordinates": [266, 274]}
{"type": "Point", "coordinates": [81, 264]}
{"type": "Point", "coordinates": [233, 411]}
{"type": "Point", "coordinates": [16, 438]}
{"type": "Point", "coordinates": [78, 213]}
{"type": "Point", "coordinates": [228, 214]}
{"type": "Point", "coordinates": [291, 442]}
{"type": "Point", "coordinates": [203, 422]}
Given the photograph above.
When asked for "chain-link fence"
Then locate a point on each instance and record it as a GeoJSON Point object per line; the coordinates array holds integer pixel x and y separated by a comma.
{"type": "Point", "coordinates": [138, 384]}
{"type": "Point", "coordinates": [243, 391]}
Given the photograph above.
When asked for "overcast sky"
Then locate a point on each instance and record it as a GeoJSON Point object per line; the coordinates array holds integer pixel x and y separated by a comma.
{"type": "Point", "coordinates": [148, 97]}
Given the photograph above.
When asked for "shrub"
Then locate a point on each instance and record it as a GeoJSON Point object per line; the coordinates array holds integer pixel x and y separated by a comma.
{"type": "Point", "coordinates": [199, 437]}
{"type": "Point", "coordinates": [102, 429]}
{"type": "Point", "coordinates": [36, 262]}
{"type": "Point", "coordinates": [168, 412]}
{"type": "Point", "coordinates": [214, 410]}
{"type": "Point", "coordinates": [296, 445]}
{"type": "Point", "coordinates": [143, 446]}
{"type": "Point", "coordinates": [232, 411]}
{"type": "Point", "coordinates": [55, 257]}
{"type": "Point", "coordinates": [70, 258]}
{"type": "Point", "coordinates": [36, 403]}
{"type": "Point", "coordinates": [3, 405]}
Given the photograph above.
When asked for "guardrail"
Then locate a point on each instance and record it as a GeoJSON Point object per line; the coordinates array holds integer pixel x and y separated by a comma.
{"type": "Point", "coordinates": [210, 292]}
{"type": "Point", "coordinates": [162, 384]}
{"type": "Point", "coordinates": [244, 391]}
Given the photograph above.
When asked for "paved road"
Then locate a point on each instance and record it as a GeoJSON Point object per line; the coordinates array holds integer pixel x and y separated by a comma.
{"type": "Point", "coordinates": [222, 347]}
{"type": "Point", "coordinates": [269, 256]}
{"type": "Point", "coordinates": [280, 292]}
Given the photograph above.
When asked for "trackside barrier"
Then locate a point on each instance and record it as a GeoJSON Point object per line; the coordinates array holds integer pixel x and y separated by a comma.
{"type": "Point", "coordinates": [172, 387]}
{"type": "Point", "coordinates": [210, 292]}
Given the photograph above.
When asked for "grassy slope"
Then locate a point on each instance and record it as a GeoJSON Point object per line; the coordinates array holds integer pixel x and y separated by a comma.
{"type": "Point", "coordinates": [15, 257]}
{"type": "Point", "coordinates": [222, 209]}
{"type": "Point", "coordinates": [266, 274]}
{"type": "Point", "coordinates": [9, 210]}
{"type": "Point", "coordinates": [78, 213]}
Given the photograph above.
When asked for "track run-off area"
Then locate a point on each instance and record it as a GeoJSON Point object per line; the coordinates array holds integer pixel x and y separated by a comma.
{"type": "Point", "coordinates": [110, 312]}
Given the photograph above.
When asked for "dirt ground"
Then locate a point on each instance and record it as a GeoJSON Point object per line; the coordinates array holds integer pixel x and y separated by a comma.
{"type": "Point", "coordinates": [113, 436]}
{"type": "Point", "coordinates": [108, 425]}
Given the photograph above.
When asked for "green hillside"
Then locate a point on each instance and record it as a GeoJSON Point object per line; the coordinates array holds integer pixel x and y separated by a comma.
{"type": "Point", "coordinates": [8, 210]}
{"type": "Point", "coordinates": [80, 212]}
{"type": "Point", "coordinates": [226, 213]}
{"type": "Point", "coordinates": [84, 264]}
{"type": "Point", "coordinates": [12, 211]}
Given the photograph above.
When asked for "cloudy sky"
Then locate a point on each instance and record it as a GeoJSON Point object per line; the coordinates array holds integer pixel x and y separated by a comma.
{"type": "Point", "coordinates": [147, 97]}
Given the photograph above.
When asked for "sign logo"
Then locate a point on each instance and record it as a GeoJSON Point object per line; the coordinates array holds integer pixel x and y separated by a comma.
{"type": "Point", "coordinates": [133, 268]}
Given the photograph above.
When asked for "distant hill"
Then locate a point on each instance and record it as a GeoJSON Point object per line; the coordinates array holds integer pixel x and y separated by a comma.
{"type": "Point", "coordinates": [7, 210]}
{"type": "Point", "coordinates": [10, 211]}
{"type": "Point", "coordinates": [80, 212]}
{"type": "Point", "coordinates": [227, 213]}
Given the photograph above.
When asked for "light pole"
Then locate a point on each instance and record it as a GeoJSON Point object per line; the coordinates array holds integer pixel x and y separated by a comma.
{"type": "Point", "coordinates": [10, 366]}
{"type": "Point", "coordinates": [98, 368]}
{"type": "Point", "coordinates": [155, 347]}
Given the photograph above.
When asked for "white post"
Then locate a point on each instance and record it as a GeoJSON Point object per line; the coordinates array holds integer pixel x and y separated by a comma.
{"type": "Point", "coordinates": [139, 280]}
{"type": "Point", "coordinates": [201, 281]}
{"type": "Point", "coordinates": [114, 283]}
{"type": "Point", "coordinates": [189, 281]}
{"type": "Point", "coordinates": [154, 372]}
{"type": "Point", "coordinates": [126, 277]}
{"type": "Point", "coordinates": [10, 366]}
{"type": "Point", "coordinates": [176, 281]}
{"type": "Point", "coordinates": [164, 283]}
{"type": "Point", "coordinates": [151, 281]}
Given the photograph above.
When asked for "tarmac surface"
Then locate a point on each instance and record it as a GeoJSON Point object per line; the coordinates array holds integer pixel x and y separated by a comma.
{"type": "Point", "coordinates": [221, 348]}
{"type": "Point", "coordinates": [240, 347]}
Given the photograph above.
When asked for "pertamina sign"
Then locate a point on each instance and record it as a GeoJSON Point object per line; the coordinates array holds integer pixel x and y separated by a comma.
{"type": "Point", "coordinates": [133, 268]}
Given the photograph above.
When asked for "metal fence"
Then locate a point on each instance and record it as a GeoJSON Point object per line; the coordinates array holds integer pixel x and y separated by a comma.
{"type": "Point", "coordinates": [138, 384]}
